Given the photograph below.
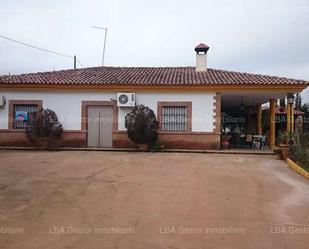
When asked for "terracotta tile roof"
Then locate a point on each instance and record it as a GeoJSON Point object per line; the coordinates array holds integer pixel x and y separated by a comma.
{"type": "Point", "coordinates": [146, 76]}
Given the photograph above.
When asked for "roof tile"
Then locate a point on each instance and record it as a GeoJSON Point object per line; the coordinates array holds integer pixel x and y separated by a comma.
{"type": "Point", "coordinates": [152, 76]}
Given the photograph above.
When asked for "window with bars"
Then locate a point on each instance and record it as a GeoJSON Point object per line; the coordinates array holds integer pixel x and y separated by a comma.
{"type": "Point", "coordinates": [22, 114]}
{"type": "Point", "coordinates": [174, 118]}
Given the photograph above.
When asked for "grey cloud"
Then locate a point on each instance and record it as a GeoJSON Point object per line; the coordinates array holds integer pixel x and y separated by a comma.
{"type": "Point", "coordinates": [264, 36]}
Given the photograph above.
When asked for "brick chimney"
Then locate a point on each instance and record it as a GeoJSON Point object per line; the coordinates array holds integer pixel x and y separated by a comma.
{"type": "Point", "coordinates": [201, 57]}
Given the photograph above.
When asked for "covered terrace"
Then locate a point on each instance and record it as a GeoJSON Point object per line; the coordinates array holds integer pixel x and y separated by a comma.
{"type": "Point", "coordinates": [255, 119]}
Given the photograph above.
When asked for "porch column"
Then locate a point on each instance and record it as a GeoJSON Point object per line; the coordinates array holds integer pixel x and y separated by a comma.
{"type": "Point", "coordinates": [272, 123]}
{"type": "Point", "coordinates": [259, 130]}
{"type": "Point", "coordinates": [288, 118]}
{"type": "Point", "coordinates": [290, 111]}
{"type": "Point", "coordinates": [292, 118]}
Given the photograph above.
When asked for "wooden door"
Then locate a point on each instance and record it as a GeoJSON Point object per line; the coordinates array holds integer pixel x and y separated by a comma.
{"type": "Point", "coordinates": [100, 126]}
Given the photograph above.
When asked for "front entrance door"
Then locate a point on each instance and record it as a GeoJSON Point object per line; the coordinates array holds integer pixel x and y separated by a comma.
{"type": "Point", "coordinates": [100, 126]}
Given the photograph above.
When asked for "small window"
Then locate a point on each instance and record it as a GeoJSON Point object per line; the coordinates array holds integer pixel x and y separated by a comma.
{"type": "Point", "coordinates": [22, 115]}
{"type": "Point", "coordinates": [174, 118]}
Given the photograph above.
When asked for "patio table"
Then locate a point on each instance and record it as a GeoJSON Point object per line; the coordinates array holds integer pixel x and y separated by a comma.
{"type": "Point", "coordinates": [261, 141]}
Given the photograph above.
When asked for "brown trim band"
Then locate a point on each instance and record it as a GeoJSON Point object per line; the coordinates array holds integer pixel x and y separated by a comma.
{"type": "Point", "coordinates": [217, 116]}
{"type": "Point", "coordinates": [38, 103]}
{"type": "Point", "coordinates": [23, 130]}
{"type": "Point", "coordinates": [177, 133]}
{"type": "Point", "coordinates": [136, 88]}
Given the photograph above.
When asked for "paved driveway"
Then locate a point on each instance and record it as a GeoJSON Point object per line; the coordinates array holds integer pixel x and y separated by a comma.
{"type": "Point", "coordinates": [92, 200]}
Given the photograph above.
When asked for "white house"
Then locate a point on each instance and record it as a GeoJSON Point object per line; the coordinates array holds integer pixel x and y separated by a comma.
{"type": "Point", "coordinates": [91, 103]}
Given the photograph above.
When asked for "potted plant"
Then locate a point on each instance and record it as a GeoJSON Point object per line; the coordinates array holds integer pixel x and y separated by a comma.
{"type": "Point", "coordinates": [159, 145]}
{"type": "Point", "coordinates": [284, 144]}
{"type": "Point", "coordinates": [142, 125]}
{"type": "Point", "coordinates": [225, 141]}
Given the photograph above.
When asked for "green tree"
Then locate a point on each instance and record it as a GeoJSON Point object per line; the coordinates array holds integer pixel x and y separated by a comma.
{"type": "Point", "coordinates": [282, 102]}
{"type": "Point", "coordinates": [305, 109]}
{"type": "Point", "coordinates": [298, 102]}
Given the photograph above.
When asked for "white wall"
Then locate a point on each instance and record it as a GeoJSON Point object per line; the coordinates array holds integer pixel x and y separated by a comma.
{"type": "Point", "coordinates": [201, 62]}
{"type": "Point", "coordinates": [67, 106]}
{"type": "Point", "coordinates": [202, 107]}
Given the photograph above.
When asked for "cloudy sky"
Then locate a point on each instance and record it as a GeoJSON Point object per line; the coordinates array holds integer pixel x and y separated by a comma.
{"type": "Point", "coordinates": [258, 36]}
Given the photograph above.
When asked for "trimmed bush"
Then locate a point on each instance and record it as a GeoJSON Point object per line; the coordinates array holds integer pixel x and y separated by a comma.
{"type": "Point", "coordinates": [44, 129]}
{"type": "Point", "coordinates": [142, 125]}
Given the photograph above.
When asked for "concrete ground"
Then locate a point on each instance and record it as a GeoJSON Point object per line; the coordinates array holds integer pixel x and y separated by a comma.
{"type": "Point", "coordinates": [94, 200]}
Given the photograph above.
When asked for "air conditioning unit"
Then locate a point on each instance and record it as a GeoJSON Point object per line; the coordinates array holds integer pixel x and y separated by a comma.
{"type": "Point", "coordinates": [2, 101]}
{"type": "Point", "coordinates": [126, 99]}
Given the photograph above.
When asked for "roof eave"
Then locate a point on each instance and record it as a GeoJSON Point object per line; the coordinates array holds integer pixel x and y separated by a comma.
{"type": "Point", "coordinates": [291, 88]}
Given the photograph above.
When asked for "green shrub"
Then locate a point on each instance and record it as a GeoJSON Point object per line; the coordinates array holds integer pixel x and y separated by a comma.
{"type": "Point", "coordinates": [142, 125]}
{"type": "Point", "coordinates": [300, 150]}
{"type": "Point", "coordinates": [44, 129]}
{"type": "Point", "coordinates": [283, 137]}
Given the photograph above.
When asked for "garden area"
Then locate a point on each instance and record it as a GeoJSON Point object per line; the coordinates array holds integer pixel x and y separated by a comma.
{"type": "Point", "coordinates": [299, 151]}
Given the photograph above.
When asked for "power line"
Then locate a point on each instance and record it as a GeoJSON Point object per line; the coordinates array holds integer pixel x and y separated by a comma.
{"type": "Point", "coordinates": [42, 49]}
{"type": "Point", "coordinates": [79, 62]}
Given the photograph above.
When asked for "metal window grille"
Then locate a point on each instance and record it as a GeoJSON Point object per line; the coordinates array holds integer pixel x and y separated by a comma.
{"type": "Point", "coordinates": [21, 123]}
{"type": "Point", "coordinates": [174, 118]}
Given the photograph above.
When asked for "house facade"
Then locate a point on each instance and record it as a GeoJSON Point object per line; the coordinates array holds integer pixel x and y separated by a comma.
{"type": "Point", "coordinates": [187, 101]}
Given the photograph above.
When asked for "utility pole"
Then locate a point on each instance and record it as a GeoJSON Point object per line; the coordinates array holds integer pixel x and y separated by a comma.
{"type": "Point", "coordinates": [105, 29]}
{"type": "Point", "coordinates": [74, 61]}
